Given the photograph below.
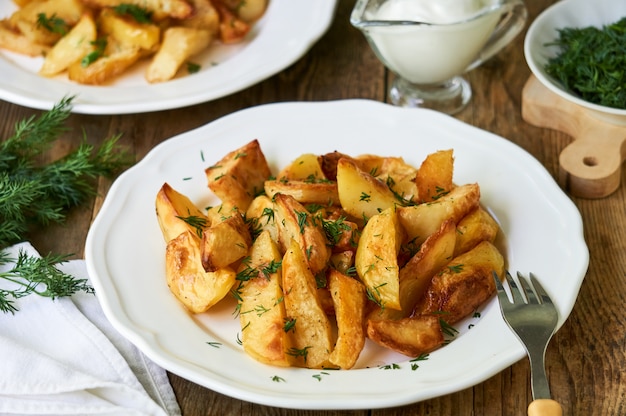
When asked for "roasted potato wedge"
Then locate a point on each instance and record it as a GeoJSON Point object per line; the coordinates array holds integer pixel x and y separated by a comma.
{"type": "Point", "coordinates": [71, 48]}
{"type": "Point", "coordinates": [45, 22]}
{"type": "Point", "coordinates": [239, 176]}
{"type": "Point", "coordinates": [415, 276]}
{"type": "Point", "coordinates": [128, 32]}
{"type": "Point", "coordinates": [196, 289]}
{"type": "Point", "coordinates": [260, 216]}
{"type": "Point", "coordinates": [305, 192]}
{"type": "Point", "coordinates": [376, 260]}
{"type": "Point", "coordinates": [225, 242]}
{"type": "Point", "coordinates": [295, 223]}
{"type": "Point", "coordinates": [312, 332]}
{"type": "Point", "coordinates": [463, 284]}
{"type": "Point", "coordinates": [115, 60]}
{"type": "Point", "coordinates": [422, 220]}
{"type": "Point", "coordinates": [304, 167]}
{"type": "Point", "coordinates": [409, 336]}
{"type": "Point", "coordinates": [178, 45]}
{"type": "Point", "coordinates": [362, 195]}
{"type": "Point", "coordinates": [349, 302]}
{"type": "Point", "coordinates": [398, 175]}
{"type": "Point", "coordinates": [475, 227]}
{"type": "Point", "coordinates": [177, 214]}
{"type": "Point", "coordinates": [262, 310]}
{"type": "Point", "coordinates": [434, 176]}
{"type": "Point", "coordinates": [15, 41]}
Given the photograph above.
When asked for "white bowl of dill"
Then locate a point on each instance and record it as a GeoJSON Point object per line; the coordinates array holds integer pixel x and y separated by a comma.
{"type": "Point", "coordinates": [577, 49]}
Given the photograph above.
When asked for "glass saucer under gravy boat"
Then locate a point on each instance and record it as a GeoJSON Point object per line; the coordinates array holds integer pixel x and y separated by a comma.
{"type": "Point", "coordinates": [429, 44]}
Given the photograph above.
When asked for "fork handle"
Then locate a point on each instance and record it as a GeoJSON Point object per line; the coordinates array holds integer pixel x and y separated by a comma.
{"type": "Point", "coordinates": [545, 407]}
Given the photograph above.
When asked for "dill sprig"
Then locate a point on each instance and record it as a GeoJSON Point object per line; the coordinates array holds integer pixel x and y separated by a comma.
{"type": "Point", "coordinates": [33, 194]}
{"type": "Point", "coordinates": [38, 275]}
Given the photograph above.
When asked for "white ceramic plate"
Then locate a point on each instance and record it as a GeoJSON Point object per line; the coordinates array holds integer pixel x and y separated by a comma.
{"type": "Point", "coordinates": [286, 32]}
{"type": "Point", "coordinates": [125, 252]}
{"type": "Point", "coordinates": [544, 30]}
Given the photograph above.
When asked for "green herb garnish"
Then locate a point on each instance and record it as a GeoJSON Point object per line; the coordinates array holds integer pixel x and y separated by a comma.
{"type": "Point", "coordinates": [33, 194]}
{"type": "Point", "coordinates": [90, 58]}
{"type": "Point", "coordinates": [193, 68]}
{"type": "Point", "coordinates": [38, 275]}
{"type": "Point", "coordinates": [140, 14]}
{"type": "Point", "coordinates": [52, 24]}
{"type": "Point", "coordinates": [591, 63]}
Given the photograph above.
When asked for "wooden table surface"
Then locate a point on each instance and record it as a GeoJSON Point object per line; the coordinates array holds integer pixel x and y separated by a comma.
{"type": "Point", "coordinates": [586, 360]}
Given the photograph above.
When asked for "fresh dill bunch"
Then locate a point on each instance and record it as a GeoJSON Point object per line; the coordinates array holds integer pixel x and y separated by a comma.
{"type": "Point", "coordinates": [36, 275]}
{"type": "Point", "coordinates": [34, 194]}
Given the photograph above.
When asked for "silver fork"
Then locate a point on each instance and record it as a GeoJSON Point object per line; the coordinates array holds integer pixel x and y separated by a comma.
{"type": "Point", "coordinates": [533, 318]}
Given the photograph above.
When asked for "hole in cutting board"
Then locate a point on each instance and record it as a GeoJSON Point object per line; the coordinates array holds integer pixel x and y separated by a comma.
{"type": "Point", "coordinates": [590, 161]}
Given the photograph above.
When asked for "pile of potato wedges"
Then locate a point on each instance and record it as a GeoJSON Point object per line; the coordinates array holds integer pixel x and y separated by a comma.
{"type": "Point", "coordinates": [331, 251]}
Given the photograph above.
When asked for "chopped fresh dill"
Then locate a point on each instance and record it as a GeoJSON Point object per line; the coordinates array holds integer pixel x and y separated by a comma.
{"type": "Point", "coordinates": [90, 58]}
{"type": "Point", "coordinates": [290, 325]}
{"type": "Point", "coordinates": [196, 222]}
{"type": "Point", "coordinates": [52, 24]}
{"type": "Point", "coordinates": [193, 68]}
{"type": "Point", "coordinates": [299, 352]}
{"type": "Point", "coordinates": [335, 229]}
{"type": "Point", "coordinates": [591, 63]}
{"type": "Point", "coordinates": [138, 13]}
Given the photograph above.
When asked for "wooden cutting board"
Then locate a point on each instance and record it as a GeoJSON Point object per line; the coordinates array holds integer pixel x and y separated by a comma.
{"type": "Point", "coordinates": [590, 166]}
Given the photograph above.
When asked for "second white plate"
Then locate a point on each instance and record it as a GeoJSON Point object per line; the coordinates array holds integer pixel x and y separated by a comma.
{"type": "Point", "coordinates": [285, 33]}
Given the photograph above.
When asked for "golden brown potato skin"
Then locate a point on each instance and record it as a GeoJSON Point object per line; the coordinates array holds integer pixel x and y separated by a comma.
{"type": "Point", "coordinates": [463, 285]}
{"type": "Point", "coordinates": [422, 220]}
{"type": "Point", "coordinates": [349, 302]}
{"type": "Point", "coordinates": [475, 227]}
{"type": "Point", "coordinates": [312, 336]}
{"type": "Point", "coordinates": [171, 207]}
{"type": "Point", "coordinates": [239, 176]}
{"type": "Point", "coordinates": [295, 223]}
{"type": "Point", "coordinates": [305, 192]}
{"type": "Point", "coordinates": [434, 176]}
{"type": "Point", "coordinates": [376, 261]}
{"type": "Point", "coordinates": [71, 48]}
{"type": "Point", "coordinates": [196, 289]}
{"type": "Point", "coordinates": [263, 335]}
{"type": "Point", "coordinates": [409, 336]}
{"type": "Point", "coordinates": [225, 242]}
{"type": "Point", "coordinates": [361, 194]}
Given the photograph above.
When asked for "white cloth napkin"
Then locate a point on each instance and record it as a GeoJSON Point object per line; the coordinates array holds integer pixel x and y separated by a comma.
{"type": "Point", "coordinates": [63, 357]}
